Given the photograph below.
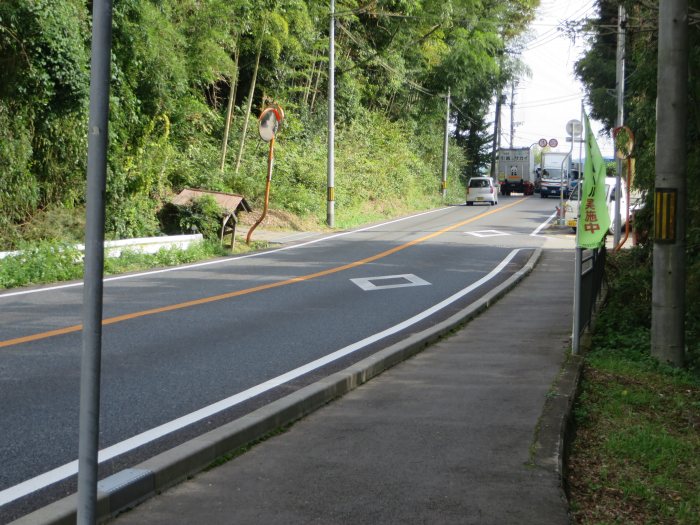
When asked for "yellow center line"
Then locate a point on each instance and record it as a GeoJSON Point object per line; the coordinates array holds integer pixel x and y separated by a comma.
{"type": "Point", "coordinates": [246, 291]}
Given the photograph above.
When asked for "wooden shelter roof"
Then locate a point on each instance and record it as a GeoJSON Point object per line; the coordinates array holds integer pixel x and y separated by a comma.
{"type": "Point", "coordinates": [230, 202]}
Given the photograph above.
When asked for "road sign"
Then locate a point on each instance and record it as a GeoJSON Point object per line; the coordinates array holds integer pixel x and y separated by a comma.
{"type": "Point", "coordinates": [553, 143]}
{"type": "Point", "coordinates": [543, 143]}
{"type": "Point", "coordinates": [574, 128]}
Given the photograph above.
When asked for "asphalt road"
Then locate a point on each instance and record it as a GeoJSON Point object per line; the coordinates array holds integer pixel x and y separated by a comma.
{"type": "Point", "coordinates": [186, 350]}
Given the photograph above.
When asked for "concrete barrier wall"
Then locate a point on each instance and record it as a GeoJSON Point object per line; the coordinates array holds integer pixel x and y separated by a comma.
{"type": "Point", "coordinates": [142, 245]}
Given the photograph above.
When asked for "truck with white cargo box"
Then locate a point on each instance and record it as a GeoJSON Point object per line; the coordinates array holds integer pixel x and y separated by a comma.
{"type": "Point", "coordinates": [515, 168]}
{"type": "Point", "coordinates": [555, 174]}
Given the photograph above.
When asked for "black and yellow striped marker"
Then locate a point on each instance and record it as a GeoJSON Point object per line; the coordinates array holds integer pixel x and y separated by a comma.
{"type": "Point", "coordinates": [665, 210]}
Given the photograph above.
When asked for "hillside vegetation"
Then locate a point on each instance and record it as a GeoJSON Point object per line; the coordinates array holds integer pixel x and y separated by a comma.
{"type": "Point", "coordinates": [176, 66]}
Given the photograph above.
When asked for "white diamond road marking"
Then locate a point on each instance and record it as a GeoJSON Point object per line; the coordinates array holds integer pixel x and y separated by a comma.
{"type": "Point", "coordinates": [487, 233]}
{"type": "Point", "coordinates": [368, 283]}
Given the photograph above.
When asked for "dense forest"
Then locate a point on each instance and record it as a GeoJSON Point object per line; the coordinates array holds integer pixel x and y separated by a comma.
{"type": "Point", "coordinates": [597, 71]}
{"type": "Point", "coordinates": [179, 65]}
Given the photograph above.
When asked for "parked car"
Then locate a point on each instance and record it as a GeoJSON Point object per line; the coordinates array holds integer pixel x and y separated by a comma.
{"type": "Point", "coordinates": [481, 189]}
{"type": "Point", "coordinates": [572, 205]}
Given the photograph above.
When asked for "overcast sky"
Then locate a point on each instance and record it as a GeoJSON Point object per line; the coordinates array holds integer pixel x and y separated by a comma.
{"type": "Point", "coordinates": [552, 96]}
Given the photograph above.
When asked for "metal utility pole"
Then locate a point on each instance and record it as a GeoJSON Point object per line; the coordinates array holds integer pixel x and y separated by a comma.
{"type": "Point", "coordinates": [94, 262]}
{"type": "Point", "coordinates": [580, 156]}
{"type": "Point", "coordinates": [445, 146]}
{"type": "Point", "coordinates": [668, 279]}
{"type": "Point", "coordinates": [578, 257]}
{"type": "Point", "coordinates": [496, 134]}
{"type": "Point", "coordinates": [330, 218]}
{"type": "Point", "coordinates": [620, 119]}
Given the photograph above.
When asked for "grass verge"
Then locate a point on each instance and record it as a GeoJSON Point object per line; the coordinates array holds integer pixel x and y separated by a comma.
{"type": "Point", "coordinates": [50, 262]}
{"type": "Point", "coordinates": [635, 457]}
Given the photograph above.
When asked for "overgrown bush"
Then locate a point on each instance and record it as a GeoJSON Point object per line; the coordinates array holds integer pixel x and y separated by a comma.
{"type": "Point", "coordinates": [132, 216]}
{"type": "Point", "coordinates": [44, 262]}
{"type": "Point", "coordinates": [203, 216]}
{"type": "Point", "coordinates": [624, 325]}
{"type": "Point", "coordinates": [19, 189]}
{"type": "Point", "coordinates": [56, 224]}
{"type": "Point", "coordinates": [693, 314]}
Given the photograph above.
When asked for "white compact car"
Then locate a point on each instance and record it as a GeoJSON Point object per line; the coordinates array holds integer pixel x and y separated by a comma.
{"type": "Point", "coordinates": [481, 189]}
{"type": "Point", "coordinates": [572, 205]}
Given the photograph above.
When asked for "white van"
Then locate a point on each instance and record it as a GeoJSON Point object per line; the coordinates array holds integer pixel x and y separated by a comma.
{"type": "Point", "coordinates": [572, 205]}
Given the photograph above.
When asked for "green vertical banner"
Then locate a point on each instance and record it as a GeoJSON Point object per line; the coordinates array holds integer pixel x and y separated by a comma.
{"type": "Point", "coordinates": [594, 220]}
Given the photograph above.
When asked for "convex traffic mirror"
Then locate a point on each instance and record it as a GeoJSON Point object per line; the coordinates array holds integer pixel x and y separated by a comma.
{"type": "Point", "coordinates": [269, 122]}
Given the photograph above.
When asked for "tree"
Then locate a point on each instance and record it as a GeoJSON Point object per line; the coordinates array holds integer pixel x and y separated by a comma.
{"type": "Point", "coordinates": [596, 71]}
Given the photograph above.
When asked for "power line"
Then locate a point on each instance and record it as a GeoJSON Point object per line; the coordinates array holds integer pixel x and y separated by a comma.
{"type": "Point", "coordinates": [553, 34]}
{"type": "Point", "coordinates": [550, 102]}
{"type": "Point", "coordinates": [460, 112]}
{"type": "Point", "coordinates": [542, 43]}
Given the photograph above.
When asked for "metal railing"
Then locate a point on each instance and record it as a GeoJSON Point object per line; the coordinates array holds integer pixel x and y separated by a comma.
{"type": "Point", "coordinates": [588, 284]}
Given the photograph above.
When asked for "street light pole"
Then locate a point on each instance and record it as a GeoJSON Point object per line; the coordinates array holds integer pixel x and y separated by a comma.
{"type": "Point", "coordinates": [89, 417]}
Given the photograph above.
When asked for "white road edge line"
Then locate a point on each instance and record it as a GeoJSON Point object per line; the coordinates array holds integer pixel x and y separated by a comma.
{"type": "Point", "coordinates": [217, 261]}
{"type": "Point", "coordinates": [60, 473]}
{"type": "Point", "coordinates": [541, 226]}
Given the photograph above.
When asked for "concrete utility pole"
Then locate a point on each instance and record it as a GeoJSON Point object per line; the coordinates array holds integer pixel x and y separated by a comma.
{"type": "Point", "coordinates": [668, 281]}
{"type": "Point", "coordinates": [445, 147]}
{"type": "Point", "coordinates": [500, 121]}
{"type": "Point", "coordinates": [512, 113]}
{"type": "Point", "coordinates": [89, 418]}
{"type": "Point", "coordinates": [496, 134]}
{"type": "Point", "coordinates": [620, 119]}
{"type": "Point", "coordinates": [330, 208]}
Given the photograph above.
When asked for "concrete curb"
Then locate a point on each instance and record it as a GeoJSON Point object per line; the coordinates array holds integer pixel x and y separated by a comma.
{"type": "Point", "coordinates": [129, 487]}
{"type": "Point", "coordinates": [555, 427]}
{"type": "Point", "coordinates": [555, 422]}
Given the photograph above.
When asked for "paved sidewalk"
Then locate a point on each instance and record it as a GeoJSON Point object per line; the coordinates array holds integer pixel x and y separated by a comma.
{"type": "Point", "coordinates": [448, 436]}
